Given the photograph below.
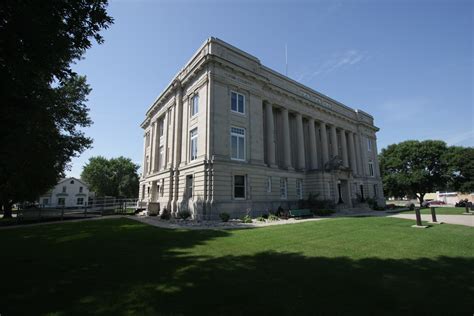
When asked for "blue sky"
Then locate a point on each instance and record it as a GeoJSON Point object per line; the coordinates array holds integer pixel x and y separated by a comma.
{"type": "Point", "coordinates": [408, 63]}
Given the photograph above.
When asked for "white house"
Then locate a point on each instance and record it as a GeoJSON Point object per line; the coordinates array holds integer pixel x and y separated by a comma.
{"type": "Point", "coordinates": [69, 192]}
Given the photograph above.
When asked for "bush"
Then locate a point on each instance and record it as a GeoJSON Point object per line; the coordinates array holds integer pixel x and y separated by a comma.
{"type": "Point", "coordinates": [265, 216]}
{"type": "Point", "coordinates": [166, 215]}
{"type": "Point", "coordinates": [224, 217]}
{"type": "Point", "coordinates": [184, 214]}
{"type": "Point", "coordinates": [260, 219]}
{"type": "Point", "coordinates": [272, 217]}
{"type": "Point", "coordinates": [246, 219]}
{"type": "Point", "coordinates": [323, 212]}
{"type": "Point", "coordinates": [315, 204]}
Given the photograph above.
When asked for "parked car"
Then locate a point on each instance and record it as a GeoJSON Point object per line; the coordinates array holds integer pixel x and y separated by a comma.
{"type": "Point", "coordinates": [432, 203]}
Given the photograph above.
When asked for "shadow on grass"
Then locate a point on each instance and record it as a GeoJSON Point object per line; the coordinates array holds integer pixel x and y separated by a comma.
{"type": "Point", "coordinates": [145, 270]}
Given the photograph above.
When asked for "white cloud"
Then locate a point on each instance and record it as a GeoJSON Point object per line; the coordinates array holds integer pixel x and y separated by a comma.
{"type": "Point", "coordinates": [338, 61]}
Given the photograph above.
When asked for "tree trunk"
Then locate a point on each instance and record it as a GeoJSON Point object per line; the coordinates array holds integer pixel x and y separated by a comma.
{"type": "Point", "coordinates": [7, 209]}
{"type": "Point", "coordinates": [421, 199]}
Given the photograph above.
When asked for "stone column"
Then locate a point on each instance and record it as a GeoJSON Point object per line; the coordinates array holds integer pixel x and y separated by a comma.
{"type": "Point", "coordinates": [324, 143]}
{"type": "Point", "coordinates": [286, 139]}
{"type": "Point", "coordinates": [345, 159]}
{"type": "Point", "coordinates": [376, 158]}
{"type": "Point", "coordinates": [300, 142]}
{"type": "Point", "coordinates": [363, 156]}
{"type": "Point", "coordinates": [178, 134]}
{"type": "Point", "coordinates": [156, 146]}
{"type": "Point", "coordinates": [352, 153]}
{"type": "Point", "coordinates": [270, 131]}
{"type": "Point", "coordinates": [144, 157]}
{"type": "Point", "coordinates": [312, 145]}
{"type": "Point", "coordinates": [152, 147]}
{"type": "Point", "coordinates": [334, 146]}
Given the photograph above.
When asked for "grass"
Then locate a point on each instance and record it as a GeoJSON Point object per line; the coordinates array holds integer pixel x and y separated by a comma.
{"type": "Point", "coordinates": [346, 265]}
{"type": "Point", "coordinates": [440, 211]}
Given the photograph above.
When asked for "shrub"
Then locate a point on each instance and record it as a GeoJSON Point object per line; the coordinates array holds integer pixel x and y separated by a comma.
{"type": "Point", "coordinates": [260, 219]}
{"type": "Point", "coordinates": [184, 214]}
{"type": "Point", "coordinates": [265, 216]}
{"type": "Point", "coordinates": [272, 217]}
{"type": "Point", "coordinates": [224, 217]}
{"type": "Point", "coordinates": [166, 215]}
{"type": "Point", "coordinates": [323, 212]}
{"type": "Point", "coordinates": [315, 204]}
{"type": "Point", "coordinates": [246, 219]}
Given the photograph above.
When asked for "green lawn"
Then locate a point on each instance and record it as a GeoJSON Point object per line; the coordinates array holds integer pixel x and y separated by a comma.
{"type": "Point", "coordinates": [345, 265]}
{"type": "Point", "coordinates": [440, 211]}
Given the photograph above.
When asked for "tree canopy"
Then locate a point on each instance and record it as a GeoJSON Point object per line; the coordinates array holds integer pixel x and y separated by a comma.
{"type": "Point", "coordinates": [413, 168]}
{"type": "Point", "coordinates": [112, 177]}
{"type": "Point", "coordinates": [43, 102]}
{"type": "Point", "coordinates": [460, 162]}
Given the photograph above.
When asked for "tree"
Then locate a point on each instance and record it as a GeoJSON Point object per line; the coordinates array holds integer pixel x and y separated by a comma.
{"type": "Point", "coordinates": [43, 102]}
{"type": "Point", "coordinates": [460, 162]}
{"type": "Point", "coordinates": [413, 168]}
{"type": "Point", "coordinates": [114, 177]}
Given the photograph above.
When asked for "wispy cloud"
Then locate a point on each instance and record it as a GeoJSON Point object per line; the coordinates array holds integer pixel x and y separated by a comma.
{"type": "Point", "coordinates": [338, 61]}
{"type": "Point", "coordinates": [461, 138]}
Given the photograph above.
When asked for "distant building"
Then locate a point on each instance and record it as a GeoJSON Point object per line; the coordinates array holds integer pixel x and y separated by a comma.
{"type": "Point", "coordinates": [452, 198]}
{"type": "Point", "coordinates": [231, 135]}
{"type": "Point", "coordinates": [69, 192]}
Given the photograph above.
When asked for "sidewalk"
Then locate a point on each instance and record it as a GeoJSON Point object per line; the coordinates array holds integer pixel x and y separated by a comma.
{"type": "Point", "coordinates": [466, 220]}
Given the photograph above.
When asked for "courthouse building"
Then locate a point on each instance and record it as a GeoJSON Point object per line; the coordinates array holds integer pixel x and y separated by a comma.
{"type": "Point", "coordinates": [231, 135]}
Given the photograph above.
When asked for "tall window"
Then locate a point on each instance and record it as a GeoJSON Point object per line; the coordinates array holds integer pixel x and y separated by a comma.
{"type": "Point", "coordinates": [80, 189]}
{"type": "Point", "coordinates": [369, 144]}
{"type": "Point", "coordinates": [162, 158]}
{"type": "Point", "coordinates": [194, 104]}
{"type": "Point", "coordinates": [189, 186]}
{"type": "Point", "coordinates": [269, 184]}
{"type": "Point", "coordinates": [371, 168]}
{"type": "Point", "coordinates": [64, 189]}
{"type": "Point", "coordinates": [283, 188]}
{"type": "Point", "coordinates": [193, 144]}
{"type": "Point", "coordinates": [61, 201]}
{"type": "Point", "coordinates": [80, 201]}
{"type": "Point", "coordinates": [161, 125]}
{"type": "Point", "coordinates": [375, 190]}
{"type": "Point", "coordinates": [237, 143]}
{"type": "Point", "coordinates": [299, 188]}
{"type": "Point", "coordinates": [237, 102]}
{"type": "Point", "coordinates": [239, 187]}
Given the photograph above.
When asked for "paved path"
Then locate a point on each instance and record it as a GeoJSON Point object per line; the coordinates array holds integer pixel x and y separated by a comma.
{"type": "Point", "coordinates": [466, 220]}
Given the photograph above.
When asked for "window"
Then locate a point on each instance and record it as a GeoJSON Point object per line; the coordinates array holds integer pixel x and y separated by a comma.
{"type": "Point", "coordinates": [269, 184]}
{"type": "Point", "coordinates": [147, 139]}
{"type": "Point", "coordinates": [161, 127]}
{"type": "Point", "coordinates": [371, 168]}
{"type": "Point", "coordinates": [45, 201]}
{"type": "Point", "coordinates": [375, 190]}
{"type": "Point", "coordinates": [189, 186]}
{"type": "Point", "coordinates": [239, 187]}
{"type": "Point", "coordinates": [161, 158]}
{"type": "Point", "coordinates": [72, 182]}
{"type": "Point", "coordinates": [369, 144]}
{"type": "Point", "coordinates": [193, 144]}
{"type": "Point", "coordinates": [237, 102]}
{"type": "Point", "coordinates": [80, 189]}
{"type": "Point", "coordinates": [283, 188]}
{"type": "Point", "coordinates": [80, 201]}
{"type": "Point", "coordinates": [194, 105]}
{"type": "Point", "coordinates": [61, 201]}
{"type": "Point", "coordinates": [143, 192]}
{"type": "Point", "coordinates": [237, 143]}
{"type": "Point", "coordinates": [64, 189]}
{"type": "Point", "coordinates": [299, 188]}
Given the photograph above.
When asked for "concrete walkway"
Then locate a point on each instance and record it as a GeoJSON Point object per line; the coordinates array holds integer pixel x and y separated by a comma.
{"type": "Point", "coordinates": [466, 220]}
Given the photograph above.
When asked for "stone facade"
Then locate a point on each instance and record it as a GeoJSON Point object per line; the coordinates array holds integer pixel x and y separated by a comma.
{"type": "Point", "coordinates": [231, 135]}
